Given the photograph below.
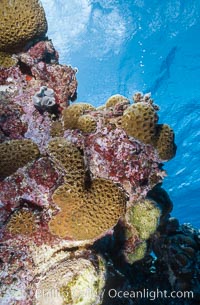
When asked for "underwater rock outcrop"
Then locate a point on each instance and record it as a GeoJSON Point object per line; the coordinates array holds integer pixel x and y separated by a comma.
{"type": "Point", "coordinates": [80, 187]}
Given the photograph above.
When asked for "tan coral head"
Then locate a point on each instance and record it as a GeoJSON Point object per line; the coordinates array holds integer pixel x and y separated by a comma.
{"type": "Point", "coordinates": [22, 21]}
{"type": "Point", "coordinates": [87, 213]}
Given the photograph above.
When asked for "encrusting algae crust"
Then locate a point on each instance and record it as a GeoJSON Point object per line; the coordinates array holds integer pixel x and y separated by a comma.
{"type": "Point", "coordinates": [22, 21]}
{"type": "Point", "coordinates": [79, 281]}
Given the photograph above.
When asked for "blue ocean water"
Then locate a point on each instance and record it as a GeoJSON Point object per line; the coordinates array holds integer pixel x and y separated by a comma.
{"type": "Point", "coordinates": [124, 46]}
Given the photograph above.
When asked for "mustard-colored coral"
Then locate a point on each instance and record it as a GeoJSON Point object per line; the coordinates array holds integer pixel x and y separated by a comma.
{"type": "Point", "coordinates": [22, 21]}
{"type": "Point", "coordinates": [138, 254]}
{"type": "Point", "coordinates": [164, 142]}
{"type": "Point", "coordinates": [22, 222]}
{"type": "Point", "coordinates": [72, 113]}
{"type": "Point", "coordinates": [144, 216]}
{"type": "Point", "coordinates": [6, 60]}
{"type": "Point", "coordinates": [115, 99]}
{"type": "Point", "coordinates": [139, 121]}
{"type": "Point", "coordinates": [68, 157]}
{"type": "Point", "coordinates": [86, 123]}
{"type": "Point", "coordinates": [87, 213]}
{"type": "Point", "coordinates": [15, 154]}
{"type": "Point", "coordinates": [56, 129]}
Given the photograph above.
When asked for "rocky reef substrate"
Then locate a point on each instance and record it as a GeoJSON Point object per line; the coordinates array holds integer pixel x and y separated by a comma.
{"type": "Point", "coordinates": [83, 216]}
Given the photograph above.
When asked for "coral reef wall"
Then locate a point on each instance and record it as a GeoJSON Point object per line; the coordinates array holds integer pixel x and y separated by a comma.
{"type": "Point", "coordinates": [80, 187]}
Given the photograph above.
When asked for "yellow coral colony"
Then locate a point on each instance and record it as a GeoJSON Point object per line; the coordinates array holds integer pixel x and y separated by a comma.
{"type": "Point", "coordinates": [144, 216]}
{"type": "Point", "coordinates": [116, 99]}
{"type": "Point", "coordinates": [72, 113]}
{"type": "Point", "coordinates": [139, 121]}
{"type": "Point", "coordinates": [6, 60]}
{"type": "Point", "coordinates": [87, 214]}
{"type": "Point", "coordinates": [86, 211]}
{"type": "Point", "coordinates": [15, 154]}
{"type": "Point", "coordinates": [22, 21]}
{"type": "Point", "coordinates": [65, 155]}
{"type": "Point", "coordinates": [164, 142]}
{"type": "Point", "coordinates": [22, 222]}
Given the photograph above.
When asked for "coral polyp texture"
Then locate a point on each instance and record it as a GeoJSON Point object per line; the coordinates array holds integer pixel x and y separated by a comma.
{"type": "Point", "coordinates": [164, 142]}
{"type": "Point", "coordinates": [16, 154]}
{"type": "Point", "coordinates": [73, 113]}
{"type": "Point", "coordinates": [139, 121]}
{"type": "Point", "coordinates": [76, 180]}
{"type": "Point", "coordinates": [86, 123]}
{"type": "Point", "coordinates": [144, 216]}
{"type": "Point", "coordinates": [87, 213]}
{"type": "Point", "coordinates": [89, 207]}
{"type": "Point", "coordinates": [68, 157]}
{"type": "Point", "coordinates": [116, 99]}
{"type": "Point", "coordinates": [21, 22]}
{"type": "Point", "coordinates": [22, 222]}
{"type": "Point", "coordinates": [6, 60]}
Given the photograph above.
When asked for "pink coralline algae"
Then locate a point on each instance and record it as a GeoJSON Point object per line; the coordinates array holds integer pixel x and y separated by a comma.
{"type": "Point", "coordinates": [111, 154]}
{"type": "Point", "coordinates": [41, 51]}
{"type": "Point", "coordinates": [33, 184]}
{"type": "Point", "coordinates": [85, 161]}
{"type": "Point", "coordinates": [11, 125]}
{"type": "Point", "coordinates": [22, 82]}
{"type": "Point", "coordinates": [102, 150]}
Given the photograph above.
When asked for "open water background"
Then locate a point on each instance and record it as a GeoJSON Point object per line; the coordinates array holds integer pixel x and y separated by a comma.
{"type": "Point", "coordinates": [124, 46]}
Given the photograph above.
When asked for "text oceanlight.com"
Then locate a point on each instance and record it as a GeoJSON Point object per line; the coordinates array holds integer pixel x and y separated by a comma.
{"type": "Point", "coordinates": [150, 294]}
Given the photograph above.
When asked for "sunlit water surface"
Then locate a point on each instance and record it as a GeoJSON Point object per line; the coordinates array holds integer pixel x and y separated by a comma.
{"type": "Point", "coordinates": [141, 45]}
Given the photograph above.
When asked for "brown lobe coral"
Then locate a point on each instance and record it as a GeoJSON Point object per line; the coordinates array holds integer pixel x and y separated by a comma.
{"type": "Point", "coordinates": [16, 154]}
{"type": "Point", "coordinates": [22, 21]}
{"type": "Point", "coordinates": [87, 213]}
